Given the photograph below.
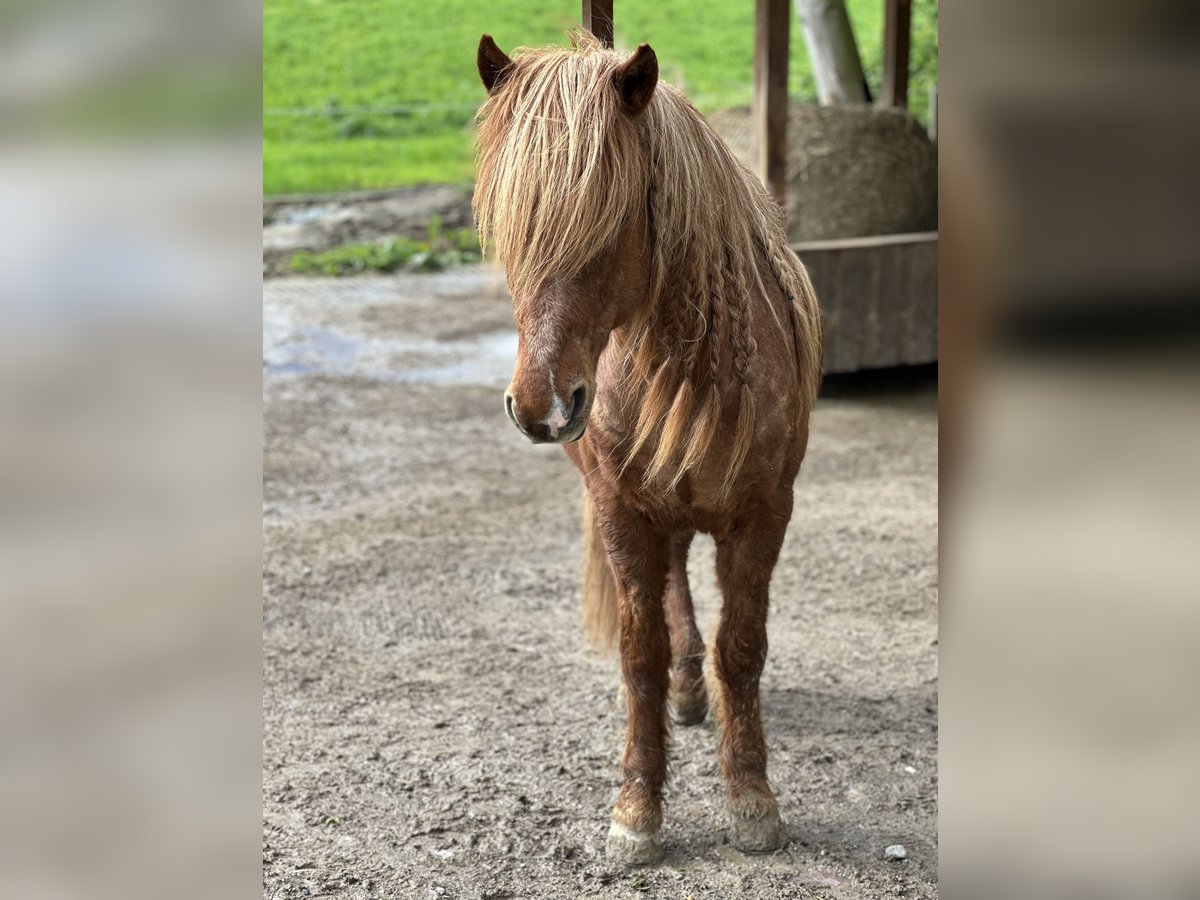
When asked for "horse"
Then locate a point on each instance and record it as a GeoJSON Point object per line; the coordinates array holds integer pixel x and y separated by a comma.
{"type": "Point", "coordinates": [670, 340]}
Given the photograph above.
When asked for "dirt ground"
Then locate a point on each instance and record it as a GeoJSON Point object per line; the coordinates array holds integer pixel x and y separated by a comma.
{"type": "Point", "coordinates": [435, 726]}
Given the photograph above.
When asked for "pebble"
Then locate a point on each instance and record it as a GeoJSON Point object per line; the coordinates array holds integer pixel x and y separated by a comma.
{"type": "Point", "coordinates": [895, 851]}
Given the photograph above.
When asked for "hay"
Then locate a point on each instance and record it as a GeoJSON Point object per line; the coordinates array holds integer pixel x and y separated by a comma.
{"type": "Point", "coordinates": [853, 170]}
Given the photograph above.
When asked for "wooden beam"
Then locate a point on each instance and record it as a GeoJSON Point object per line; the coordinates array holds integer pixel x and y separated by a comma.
{"type": "Point", "coordinates": [772, 31]}
{"type": "Point", "coordinates": [598, 19]}
{"type": "Point", "coordinates": [897, 30]}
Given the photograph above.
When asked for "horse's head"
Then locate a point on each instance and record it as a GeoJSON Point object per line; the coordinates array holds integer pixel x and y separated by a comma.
{"type": "Point", "coordinates": [561, 187]}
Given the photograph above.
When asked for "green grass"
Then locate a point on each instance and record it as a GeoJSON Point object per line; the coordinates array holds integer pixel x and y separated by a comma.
{"type": "Point", "coordinates": [439, 251]}
{"type": "Point", "coordinates": [382, 93]}
{"type": "Point", "coordinates": [295, 166]}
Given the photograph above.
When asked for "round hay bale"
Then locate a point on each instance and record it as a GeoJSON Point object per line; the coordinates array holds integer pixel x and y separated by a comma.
{"type": "Point", "coordinates": [853, 170]}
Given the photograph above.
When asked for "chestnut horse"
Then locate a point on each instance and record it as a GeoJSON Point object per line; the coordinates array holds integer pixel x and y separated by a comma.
{"type": "Point", "coordinates": [670, 340]}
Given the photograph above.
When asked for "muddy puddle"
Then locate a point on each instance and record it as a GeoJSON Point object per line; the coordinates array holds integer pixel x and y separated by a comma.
{"type": "Point", "coordinates": [483, 360]}
{"type": "Point", "coordinates": [453, 328]}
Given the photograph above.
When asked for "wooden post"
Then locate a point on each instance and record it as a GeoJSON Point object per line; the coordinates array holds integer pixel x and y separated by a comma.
{"type": "Point", "coordinates": [772, 30]}
{"type": "Point", "coordinates": [598, 19]}
{"type": "Point", "coordinates": [897, 29]}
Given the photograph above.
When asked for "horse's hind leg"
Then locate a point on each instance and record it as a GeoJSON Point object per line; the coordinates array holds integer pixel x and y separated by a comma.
{"type": "Point", "coordinates": [687, 700]}
{"type": "Point", "coordinates": [745, 560]}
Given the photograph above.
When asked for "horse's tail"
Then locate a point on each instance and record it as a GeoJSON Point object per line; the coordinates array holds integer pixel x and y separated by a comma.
{"type": "Point", "coordinates": [599, 589]}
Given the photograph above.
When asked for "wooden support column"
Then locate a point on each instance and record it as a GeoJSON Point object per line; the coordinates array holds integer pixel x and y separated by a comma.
{"type": "Point", "coordinates": [772, 31]}
{"type": "Point", "coordinates": [598, 19]}
{"type": "Point", "coordinates": [897, 30]}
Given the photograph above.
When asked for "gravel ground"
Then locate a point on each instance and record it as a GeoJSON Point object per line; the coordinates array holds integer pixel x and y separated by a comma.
{"type": "Point", "coordinates": [434, 723]}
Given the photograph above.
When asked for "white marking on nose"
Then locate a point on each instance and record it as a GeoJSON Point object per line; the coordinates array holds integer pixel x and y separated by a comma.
{"type": "Point", "coordinates": [557, 417]}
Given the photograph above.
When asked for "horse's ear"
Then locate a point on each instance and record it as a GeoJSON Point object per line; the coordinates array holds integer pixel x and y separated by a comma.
{"type": "Point", "coordinates": [492, 62]}
{"type": "Point", "coordinates": [636, 78]}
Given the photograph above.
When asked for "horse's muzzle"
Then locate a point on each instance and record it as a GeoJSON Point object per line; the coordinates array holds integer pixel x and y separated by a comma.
{"type": "Point", "coordinates": [563, 424]}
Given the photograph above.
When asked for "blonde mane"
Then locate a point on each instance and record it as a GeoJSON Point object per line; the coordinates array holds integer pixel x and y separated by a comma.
{"type": "Point", "coordinates": [561, 167]}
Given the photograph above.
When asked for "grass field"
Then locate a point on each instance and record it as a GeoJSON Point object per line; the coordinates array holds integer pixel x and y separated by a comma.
{"type": "Point", "coordinates": [382, 93]}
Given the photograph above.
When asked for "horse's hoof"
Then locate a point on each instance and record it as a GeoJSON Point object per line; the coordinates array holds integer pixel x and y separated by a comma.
{"type": "Point", "coordinates": [690, 711]}
{"type": "Point", "coordinates": [687, 703]}
{"type": "Point", "coordinates": [626, 847]}
{"type": "Point", "coordinates": [758, 834]}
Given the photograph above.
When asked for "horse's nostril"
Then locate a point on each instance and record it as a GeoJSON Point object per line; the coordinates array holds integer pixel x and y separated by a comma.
{"type": "Point", "coordinates": [578, 402]}
{"type": "Point", "coordinates": [508, 408]}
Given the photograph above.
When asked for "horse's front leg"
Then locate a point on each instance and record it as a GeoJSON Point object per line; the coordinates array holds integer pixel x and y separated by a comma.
{"type": "Point", "coordinates": [639, 555]}
{"type": "Point", "coordinates": [745, 560]}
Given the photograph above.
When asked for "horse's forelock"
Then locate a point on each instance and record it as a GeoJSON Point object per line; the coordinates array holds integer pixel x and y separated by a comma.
{"type": "Point", "coordinates": [560, 167]}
